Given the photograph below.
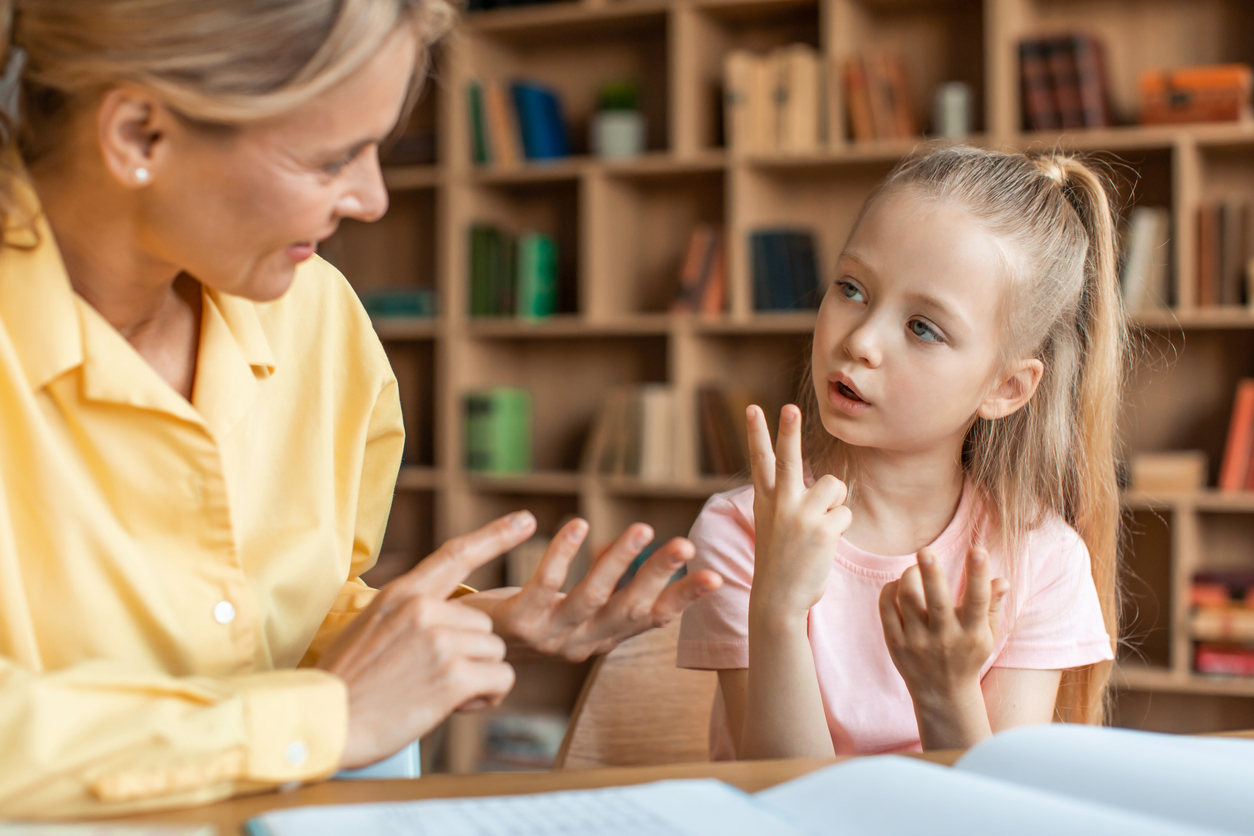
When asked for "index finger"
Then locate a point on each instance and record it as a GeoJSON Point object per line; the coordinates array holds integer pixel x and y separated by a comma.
{"type": "Point", "coordinates": [935, 589]}
{"type": "Point", "coordinates": [975, 598]}
{"type": "Point", "coordinates": [761, 453]}
{"type": "Point", "coordinates": [440, 573]}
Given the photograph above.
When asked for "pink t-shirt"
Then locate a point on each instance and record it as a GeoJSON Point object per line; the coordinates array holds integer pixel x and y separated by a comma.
{"type": "Point", "coordinates": [1055, 620]}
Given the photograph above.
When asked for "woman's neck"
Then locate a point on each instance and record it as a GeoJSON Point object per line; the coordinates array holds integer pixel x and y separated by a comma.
{"type": "Point", "coordinates": [98, 230]}
{"type": "Point", "coordinates": [903, 501]}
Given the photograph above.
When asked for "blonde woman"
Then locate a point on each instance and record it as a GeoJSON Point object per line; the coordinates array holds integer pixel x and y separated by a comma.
{"type": "Point", "coordinates": [199, 431]}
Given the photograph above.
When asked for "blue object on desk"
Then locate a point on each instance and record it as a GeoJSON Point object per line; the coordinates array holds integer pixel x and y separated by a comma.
{"type": "Point", "coordinates": [404, 764]}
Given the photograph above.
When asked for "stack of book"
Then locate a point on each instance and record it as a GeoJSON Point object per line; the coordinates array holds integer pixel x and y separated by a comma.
{"type": "Point", "coordinates": [877, 97]}
{"type": "Point", "coordinates": [400, 302]}
{"type": "Point", "coordinates": [634, 434]}
{"type": "Point", "coordinates": [1218, 93]}
{"type": "Point", "coordinates": [724, 434]}
{"type": "Point", "coordinates": [512, 278]}
{"type": "Point", "coordinates": [1146, 270]}
{"type": "Point", "coordinates": [774, 102]}
{"type": "Point", "coordinates": [498, 431]}
{"type": "Point", "coordinates": [785, 270]}
{"type": "Point", "coordinates": [1064, 83]}
{"type": "Point", "coordinates": [522, 741]}
{"type": "Point", "coordinates": [703, 274]}
{"type": "Point", "coordinates": [1236, 473]}
{"type": "Point", "coordinates": [526, 124]}
{"type": "Point", "coordinates": [1222, 622]}
{"type": "Point", "coordinates": [1168, 471]}
{"type": "Point", "coordinates": [1224, 240]}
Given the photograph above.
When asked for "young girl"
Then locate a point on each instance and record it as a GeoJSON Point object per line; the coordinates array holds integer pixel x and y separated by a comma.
{"type": "Point", "coordinates": [966, 373]}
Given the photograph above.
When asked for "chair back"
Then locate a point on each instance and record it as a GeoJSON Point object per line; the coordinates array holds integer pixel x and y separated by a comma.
{"type": "Point", "coordinates": [637, 709]}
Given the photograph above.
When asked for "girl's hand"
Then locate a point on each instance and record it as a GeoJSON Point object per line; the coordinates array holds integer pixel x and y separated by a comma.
{"type": "Point", "coordinates": [593, 618]}
{"type": "Point", "coordinates": [796, 528]}
{"type": "Point", "coordinates": [939, 649]}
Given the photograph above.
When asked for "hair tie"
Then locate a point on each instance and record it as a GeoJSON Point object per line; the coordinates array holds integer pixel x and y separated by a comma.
{"type": "Point", "coordinates": [11, 92]}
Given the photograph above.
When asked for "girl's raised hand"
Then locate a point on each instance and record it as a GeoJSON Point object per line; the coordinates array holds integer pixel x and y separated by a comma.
{"type": "Point", "coordinates": [796, 528]}
{"type": "Point", "coordinates": [939, 648]}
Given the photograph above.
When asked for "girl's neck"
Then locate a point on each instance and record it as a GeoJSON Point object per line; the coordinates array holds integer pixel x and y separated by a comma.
{"type": "Point", "coordinates": [903, 501]}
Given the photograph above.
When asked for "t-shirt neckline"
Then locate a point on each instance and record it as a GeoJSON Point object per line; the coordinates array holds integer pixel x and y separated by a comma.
{"type": "Point", "coordinates": [954, 538]}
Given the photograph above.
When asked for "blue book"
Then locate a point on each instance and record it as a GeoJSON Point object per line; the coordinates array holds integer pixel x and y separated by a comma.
{"type": "Point", "coordinates": [540, 121]}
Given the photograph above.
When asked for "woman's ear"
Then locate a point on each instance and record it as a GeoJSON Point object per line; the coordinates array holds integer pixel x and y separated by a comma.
{"type": "Point", "coordinates": [1015, 389]}
{"type": "Point", "coordinates": [131, 125]}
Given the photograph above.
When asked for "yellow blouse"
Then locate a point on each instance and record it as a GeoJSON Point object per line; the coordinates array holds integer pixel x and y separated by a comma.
{"type": "Point", "coordinates": [166, 566]}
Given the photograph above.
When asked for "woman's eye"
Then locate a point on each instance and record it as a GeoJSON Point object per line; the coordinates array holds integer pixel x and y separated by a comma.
{"type": "Point", "coordinates": [851, 291]}
{"type": "Point", "coordinates": [924, 331]}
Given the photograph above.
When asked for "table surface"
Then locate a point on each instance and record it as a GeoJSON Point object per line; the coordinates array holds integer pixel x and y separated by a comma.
{"type": "Point", "coordinates": [751, 776]}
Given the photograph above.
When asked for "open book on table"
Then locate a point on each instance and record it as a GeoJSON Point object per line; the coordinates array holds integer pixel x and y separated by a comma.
{"type": "Point", "coordinates": [1037, 780]}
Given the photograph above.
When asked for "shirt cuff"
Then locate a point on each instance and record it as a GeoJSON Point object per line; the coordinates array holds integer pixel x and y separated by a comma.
{"type": "Point", "coordinates": [296, 725]}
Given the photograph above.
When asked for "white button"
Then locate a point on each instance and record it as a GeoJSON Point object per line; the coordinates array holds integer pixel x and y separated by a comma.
{"type": "Point", "coordinates": [224, 612]}
{"type": "Point", "coordinates": [297, 753]}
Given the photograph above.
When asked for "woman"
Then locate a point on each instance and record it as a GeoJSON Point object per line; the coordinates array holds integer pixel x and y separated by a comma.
{"type": "Point", "coordinates": [199, 431]}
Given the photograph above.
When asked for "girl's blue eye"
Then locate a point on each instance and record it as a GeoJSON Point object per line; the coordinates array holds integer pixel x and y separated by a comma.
{"type": "Point", "coordinates": [851, 291]}
{"type": "Point", "coordinates": [924, 331]}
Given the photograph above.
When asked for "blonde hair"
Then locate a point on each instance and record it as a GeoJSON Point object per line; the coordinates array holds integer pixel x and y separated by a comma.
{"type": "Point", "coordinates": [217, 63]}
{"type": "Point", "coordinates": [1053, 216]}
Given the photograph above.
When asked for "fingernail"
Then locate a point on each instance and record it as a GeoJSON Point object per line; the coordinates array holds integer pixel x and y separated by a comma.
{"type": "Point", "coordinates": [642, 538]}
{"type": "Point", "coordinates": [676, 561]}
{"type": "Point", "coordinates": [925, 558]}
{"type": "Point", "coordinates": [787, 416]}
{"type": "Point", "coordinates": [521, 520]}
{"type": "Point", "coordinates": [978, 556]}
{"type": "Point", "coordinates": [577, 531]}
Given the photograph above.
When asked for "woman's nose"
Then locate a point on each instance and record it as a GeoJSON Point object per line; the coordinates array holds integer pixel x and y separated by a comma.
{"type": "Point", "coordinates": [366, 198]}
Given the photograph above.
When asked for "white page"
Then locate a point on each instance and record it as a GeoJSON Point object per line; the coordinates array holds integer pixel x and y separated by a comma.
{"type": "Point", "coordinates": [663, 808]}
{"type": "Point", "coordinates": [1206, 781]}
{"type": "Point", "coordinates": [897, 796]}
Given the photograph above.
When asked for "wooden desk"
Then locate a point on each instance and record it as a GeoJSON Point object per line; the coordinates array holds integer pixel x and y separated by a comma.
{"type": "Point", "coordinates": [751, 776]}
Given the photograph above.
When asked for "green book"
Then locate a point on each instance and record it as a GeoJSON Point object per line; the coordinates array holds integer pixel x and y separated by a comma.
{"type": "Point", "coordinates": [537, 276]}
{"type": "Point", "coordinates": [480, 269]}
{"type": "Point", "coordinates": [478, 126]}
{"type": "Point", "coordinates": [498, 431]}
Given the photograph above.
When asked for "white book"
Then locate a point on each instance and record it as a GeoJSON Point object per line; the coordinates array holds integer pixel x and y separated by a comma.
{"type": "Point", "coordinates": [1145, 267]}
{"type": "Point", "coordinates": [657, 433]}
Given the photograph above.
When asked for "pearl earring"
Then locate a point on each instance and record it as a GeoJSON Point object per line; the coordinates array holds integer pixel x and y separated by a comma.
{"type": "Point", "coordinates": [141, 175]}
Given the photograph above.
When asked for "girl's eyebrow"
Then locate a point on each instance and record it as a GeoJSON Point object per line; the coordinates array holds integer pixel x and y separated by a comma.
{"type": "Point", "coordinates": [925, 300]}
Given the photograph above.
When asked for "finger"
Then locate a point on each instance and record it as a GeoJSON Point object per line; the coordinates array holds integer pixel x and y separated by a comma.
{"type": "Point", "coordinates": [827, 492]}
{"type": "Point", "coordinates": [440, 573]}
{"type": "Point", "coordinates": [656, 573]}
{"type": "Point", "coordinates": [940, 602]}
{"type": "Point", "coordinates": [478, 685]}
{"type": "Point", "coordinates": [678, 596]}
{"type": "Point", "coordinates": [788, 470]}
{"type": "Point", "coordinates": [425, 613]}
{"type": "Point", "coordinates": [551, 573]}
{"type": "Point", "coordinates": [1001, 589]}
{"type": "Point", "coordinates": [469, 644]}
{"type": "Point", "coordinates": [912, 603]}
{"type": "Point", "coordinates": [975, 598]}
{"type": "Point", "coordinates": [761, 454]}
{"type": "Point", "coordinates": [594, 591]}
{"type": "Point", "coordinates": [894, 635]}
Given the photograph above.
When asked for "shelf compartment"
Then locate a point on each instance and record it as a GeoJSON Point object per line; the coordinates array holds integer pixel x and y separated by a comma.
{"type": "Point", "coordinates": [645, 224]}
{"type": "Point", "coordinates": [410, 536]}
{"type": "Point", "coordinates": [670, 517]}
{"type": "Point", "coordinates": [413, 363]}
{"type": "Point", "coordinates": [568, 380]}
{"type": "Point", "coordinates": [396, 251]}
{"type": "Point", "coordinates": [1147, 594]}
{"type": "Point", "coordinates": [1133, 677]}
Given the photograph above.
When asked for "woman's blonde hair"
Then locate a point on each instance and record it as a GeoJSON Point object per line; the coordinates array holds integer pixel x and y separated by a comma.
{"type": "Point", "coordinates": [217, 63]}
{"type": "Point", "coordinates": [1053, 216]}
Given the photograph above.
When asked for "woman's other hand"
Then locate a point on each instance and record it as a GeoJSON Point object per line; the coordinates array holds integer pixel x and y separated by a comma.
{"type": "Point", "coordinates": [594, 617]}
{"type": "Point", "coordinates": [796, 529]}
{"type": "Point", "coordinates": [413, 657]}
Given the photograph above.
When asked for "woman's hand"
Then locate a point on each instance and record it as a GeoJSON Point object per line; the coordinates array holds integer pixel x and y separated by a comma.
{"type": "Point", "coordinates": [412, 657]}
{"type": "Point", "coordinates": [939, 649]}
{"type": "Point", "coordinates": [796, 528]}
{"type": "Point", "coordinates": [593, 618]}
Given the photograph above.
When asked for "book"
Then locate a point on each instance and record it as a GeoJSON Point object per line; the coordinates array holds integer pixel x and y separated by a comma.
{"type": "Point", "coordinates": [536, 294]}
{"type": "Point", "coordinates": [1232, 223]}
{"type": "Point", "coordinates": [858, 100]}
{"type": "Point", "coordinates": [1223, 659]}
{"type": "Point", "coordinates": [634, 434]}
{"type": "Point", "coordinates": [1219, 93]}
{"type": "Point", "coordinates": [905, 125]}
{"type": "Point", "coordinates": [740, 73]}
{"type": "Point", "coordinates": [798, 99]}
{"type": "Point", "coordinates": [724, 441]}
{"type": "Point", "coordinates": [1236, 461]}
{"type": "Point", "coordinates": [657, 433]}
{"type": "Point", "coordinates": [492, 274]}
{"type": "Point", "coordinates": [880, 93]}
{"type": "Point", "coordinates": [1064, 81]}
{"type": "Point", "coordinates": [1093, 80]}
{"type": "Point", "coordinates": [1046, 779]}
{"type": "Point", "coordinates": [1222, 588]}
{"type": "Point", "coordinates": [398, 302]}
{"type": "Point", "coordinates": [785, 269]}
{"type": "Point", "coordinates": [522, 740]}
{"type": "Point", "coordinates": [498, 431]}
{"type": "Point", "coordinates": [1208, 249]}
{"type": "Point", "coordinates": [501, 126]}
{"type": "Point", "coordinates": [1039, 110]}
{"type": "Point", "coordinates": [1222, 624]}
{"type": "Point", "coordinates": [1169, 471]}
{"type": "Point", "coordinates": [479, 150]}
{"type": "Point", "coordinates": [702, 285]}
{"type": "Point", "coordinates": [540, 120]}
{"type": "Point", "coordinates": [1146, 257]}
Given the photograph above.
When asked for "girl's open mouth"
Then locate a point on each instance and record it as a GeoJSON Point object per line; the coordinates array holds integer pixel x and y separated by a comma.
{"type": "Point", "coordinates": [849, 393]}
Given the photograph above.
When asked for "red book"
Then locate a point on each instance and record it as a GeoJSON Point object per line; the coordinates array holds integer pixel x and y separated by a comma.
{"type": "Point", "coordinates": [1236, 462]}
{"type": "Point", "coordinates": [1039, 111]}
{"type": "Point", "coordinates": [714, 286]}
{"type": "Point", "coordinates": [1225, 659]}
{"type": "Point", "coordinates": [1060, 57]}
{"type": "Point", "coordinates": [1094, 84]}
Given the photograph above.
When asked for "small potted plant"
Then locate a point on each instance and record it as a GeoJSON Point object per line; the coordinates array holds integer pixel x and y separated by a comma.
{"type": "Point", "coordinates": [618, 127]}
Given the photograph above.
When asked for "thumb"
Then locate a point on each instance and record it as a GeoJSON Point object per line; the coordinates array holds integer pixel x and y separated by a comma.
{"type": "Point", "coordinates": [1001, 587]}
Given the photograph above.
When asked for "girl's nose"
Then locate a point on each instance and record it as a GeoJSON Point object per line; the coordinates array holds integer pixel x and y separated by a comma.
{"type": "Point", "coordinates": [863, 346]}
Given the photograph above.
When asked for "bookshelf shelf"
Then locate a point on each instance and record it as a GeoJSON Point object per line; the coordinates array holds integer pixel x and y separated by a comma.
{"type": "Point", "coordinates": [621, 227]}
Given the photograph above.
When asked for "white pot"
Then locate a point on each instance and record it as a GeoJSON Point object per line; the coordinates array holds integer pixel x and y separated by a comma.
{"type": "Point", "coordinates": [617, 133]}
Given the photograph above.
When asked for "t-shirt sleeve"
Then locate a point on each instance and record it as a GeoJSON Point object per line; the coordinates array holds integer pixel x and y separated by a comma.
{"type": "Point", "coordinates": [1058, 620]}
{"type": "Point", "coordinates": [715, 630]}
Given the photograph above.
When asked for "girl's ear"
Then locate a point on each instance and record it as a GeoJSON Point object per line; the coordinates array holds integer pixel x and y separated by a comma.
{"type": "Point", "coordinates": [1016, 388]}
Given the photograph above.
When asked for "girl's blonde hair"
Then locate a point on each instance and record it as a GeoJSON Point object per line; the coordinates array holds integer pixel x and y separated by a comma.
{"type": "Point", "coordinates": [1053, 216]}
{"type": "Point", "coordinates": [219, 63]}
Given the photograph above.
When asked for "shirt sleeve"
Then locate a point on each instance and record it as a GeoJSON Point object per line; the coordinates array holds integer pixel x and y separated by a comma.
{"type": "Point", "coordinates": [714, 634]}
{"type": "Point", "coordinates": [1058, 619]}
{"type": "Point", "coordinates": [102, 738]}
{"type": "Point", "coordinates": [385, 444]}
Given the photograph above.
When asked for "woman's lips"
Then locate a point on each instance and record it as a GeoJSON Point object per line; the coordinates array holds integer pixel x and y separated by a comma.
{"type": "Point", "coordinates": [300, 252]}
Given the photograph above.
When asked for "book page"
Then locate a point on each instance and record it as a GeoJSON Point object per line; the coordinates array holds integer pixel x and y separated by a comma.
{"type": "Point", "coordinates": [664, 808]}
{"type": "Point", "coordinates": [1204, 781]}
{"type": "Point", "coordinates": [898, 796]}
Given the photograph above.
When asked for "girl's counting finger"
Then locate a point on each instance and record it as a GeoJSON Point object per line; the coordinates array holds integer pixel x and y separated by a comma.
{"type": "Point", "coordinates": [1000, 589]}
{"type": "Point", "coordinates": [912, 602]}
{"type": "Point", "coordinates": [788, 467]}
{"type": "Point", "coordinates": [937, 597]}
{"type": "Point", "coordinates": [761, 454]}
{"type": "Point", "coordinates": [827, 492]}
{"type": "Point", "coordinates": [975, 598]}
{"type": "Point", "coordinates": [890, 616]}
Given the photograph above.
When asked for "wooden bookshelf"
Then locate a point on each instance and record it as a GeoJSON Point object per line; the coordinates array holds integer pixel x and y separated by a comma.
{"type": "Point", "coordinates": [622, 226]}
